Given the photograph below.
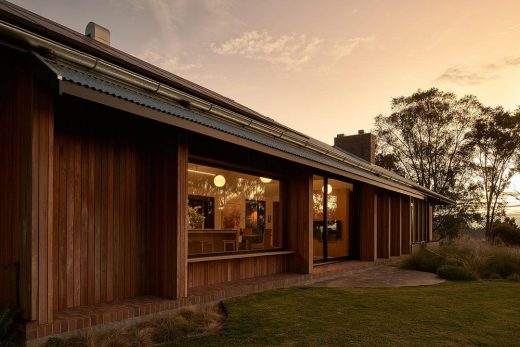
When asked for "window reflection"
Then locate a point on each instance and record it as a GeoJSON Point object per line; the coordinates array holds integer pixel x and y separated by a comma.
{"type": "Point", "coordinates": [230, 211]}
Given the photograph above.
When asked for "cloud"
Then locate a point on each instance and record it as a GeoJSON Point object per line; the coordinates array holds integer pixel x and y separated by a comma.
{"type": "Point", "coordinates": [479, 74]}
{"type": "Point", "coordinates": [290, 51]}
{"type": "Point", "coordinates": [462, 76]}
{"type": "Point", "coordinates": [344, 48]}
{"type": "Point", "coordinates": [169, 63]}
{"type": "Point", "coordinates": [508, 30]}
{"type": "Point", "coordinates": [184, 17]}
{"type": "Point", "coordinates": [512, 61]}
{"type": "Point", "coordinates": [135, 5]}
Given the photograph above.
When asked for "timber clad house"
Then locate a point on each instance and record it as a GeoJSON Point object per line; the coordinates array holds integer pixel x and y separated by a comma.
{"type": "Point", "coordinates": [126, 190]}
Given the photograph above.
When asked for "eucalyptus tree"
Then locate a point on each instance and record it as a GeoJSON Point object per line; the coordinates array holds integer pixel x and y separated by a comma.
{"type": "Point", "coordinates": [425, 138]}
{"type": "Point", "coordinates": [496, 139]}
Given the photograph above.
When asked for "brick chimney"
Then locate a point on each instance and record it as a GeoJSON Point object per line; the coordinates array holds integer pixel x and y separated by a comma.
{"type": "Point", "coordinates": [362, 145]}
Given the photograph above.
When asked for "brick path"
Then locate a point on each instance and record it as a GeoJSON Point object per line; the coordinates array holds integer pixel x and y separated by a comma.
{"type": "Point", "coordinates": [382, 276]}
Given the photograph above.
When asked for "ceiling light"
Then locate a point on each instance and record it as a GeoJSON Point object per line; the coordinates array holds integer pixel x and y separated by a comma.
{"type": "Point", "coordinates": [265, 180]}
{"type": "Point", "coordinates": [219, 181]}
{"type": "Point", "coordinates": [329, 189]}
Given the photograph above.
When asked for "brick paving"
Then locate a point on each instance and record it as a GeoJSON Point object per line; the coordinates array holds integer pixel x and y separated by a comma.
{"type": "Point", "coordinates": [383, 276]}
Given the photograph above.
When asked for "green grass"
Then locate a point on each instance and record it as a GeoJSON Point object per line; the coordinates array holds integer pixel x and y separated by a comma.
{"type": "Point", "coordinates": [450, 314]}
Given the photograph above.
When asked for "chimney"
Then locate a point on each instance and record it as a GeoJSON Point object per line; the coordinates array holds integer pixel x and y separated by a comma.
{"type": "Point", "coordinates": [98, 33]}
{"type": "Point", "coordinates": [362, 145]}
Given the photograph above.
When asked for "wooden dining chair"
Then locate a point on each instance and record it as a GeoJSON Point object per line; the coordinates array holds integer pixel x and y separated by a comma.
{"type": "Point", "coordinates": [267, 240]}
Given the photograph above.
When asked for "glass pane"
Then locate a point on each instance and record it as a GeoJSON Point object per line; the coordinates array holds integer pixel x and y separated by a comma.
{"type": "Point", "coordinates": [338, 215]}
{"type": "Point", "coordinates": [229, 211]}
{"type": "Point", "coordinates": [317, 224]}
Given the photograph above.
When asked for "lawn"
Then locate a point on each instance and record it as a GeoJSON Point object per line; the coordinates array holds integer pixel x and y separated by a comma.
{"type": "Point", "coordinates": [451, 314]}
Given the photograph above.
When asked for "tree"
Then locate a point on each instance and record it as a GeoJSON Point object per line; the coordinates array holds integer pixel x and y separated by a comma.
{"type": "Point", "coordinates": [496, 138]}
{"type": "Point", "coordinates": [425, 137]}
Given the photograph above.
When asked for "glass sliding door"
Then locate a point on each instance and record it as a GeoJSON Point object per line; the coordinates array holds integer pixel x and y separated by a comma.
{"type": "Point", "coordinates": [338, 218]}
{"type": "Point", "coordinates": [331, 218]}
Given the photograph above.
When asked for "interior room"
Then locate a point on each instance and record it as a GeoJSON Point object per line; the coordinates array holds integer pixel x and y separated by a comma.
{"type": "Point", "coordinates": [229, 211]}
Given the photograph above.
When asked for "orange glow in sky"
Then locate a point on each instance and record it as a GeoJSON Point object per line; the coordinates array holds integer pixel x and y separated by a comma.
{"type": "Point", "coordinates": [321, 67]}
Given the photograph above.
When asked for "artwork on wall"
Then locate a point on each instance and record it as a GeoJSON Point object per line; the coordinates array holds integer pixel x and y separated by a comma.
{"type": "Point", "coordinates": [231, 216]}
{"type": "Point", "coordinates": [255, 216]}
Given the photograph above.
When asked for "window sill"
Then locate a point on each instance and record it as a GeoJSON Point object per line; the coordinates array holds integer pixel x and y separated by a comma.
{"type": "Point", "coordinates": [238, 256]}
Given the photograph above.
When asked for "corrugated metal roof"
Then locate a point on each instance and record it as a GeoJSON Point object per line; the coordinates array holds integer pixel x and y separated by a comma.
{"type": "Point", "coordinates": [43, 26]}
{"type": "Point", "coordinates": [93, 80]}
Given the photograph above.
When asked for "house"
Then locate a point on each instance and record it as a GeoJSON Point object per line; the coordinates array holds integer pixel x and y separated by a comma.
{"type": "Point", "coordinates": [128, 190]}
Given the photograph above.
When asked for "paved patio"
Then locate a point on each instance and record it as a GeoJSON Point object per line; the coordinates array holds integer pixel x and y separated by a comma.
{"type": "Point", "coordinates": [382, 276]}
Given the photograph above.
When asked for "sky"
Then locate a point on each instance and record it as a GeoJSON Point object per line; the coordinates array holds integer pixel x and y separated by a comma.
{"type": "Point", "coordinates": [321, 67]}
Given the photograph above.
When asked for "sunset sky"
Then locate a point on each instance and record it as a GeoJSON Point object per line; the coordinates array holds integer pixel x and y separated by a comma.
{"type": "Point", "coordinates": [321, 67]}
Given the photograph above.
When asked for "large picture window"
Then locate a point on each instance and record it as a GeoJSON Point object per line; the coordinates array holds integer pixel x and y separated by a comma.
{"type": "Point", "coordinates": [229, 211]}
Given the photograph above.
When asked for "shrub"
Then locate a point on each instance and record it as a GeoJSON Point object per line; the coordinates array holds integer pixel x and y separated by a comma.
{"type": "Point", "coordinates": [514, 277]}
{"type": "Point", "coordinates": [8, 332]}
{"type": "Point", "coordinates": [189, 322]}
{"type": "Point", "coordinates": [507, 232]}
{"type": "Point", "coordinates": [484, 259]}
{"type": "Point", "coordinates": [170, 329]}
{"type": "Point", "coordinates": [493, 276]}
{"type": "Point", "coordinates": [455, 273]}
{"type": "Point", "coordinates": [423, 260]}
{"type": "Point", "coordinates": [503, 261]}
{"type": "Point", "coordinates": [55, 342]}
{"type": "Point", "coordinates": [480, 258]}
{"type": "Point", "coordinates": [466, 253]}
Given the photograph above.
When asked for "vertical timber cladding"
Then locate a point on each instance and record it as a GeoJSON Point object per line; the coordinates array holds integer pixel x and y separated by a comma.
{"type": "Point", "coordinates": [430, 222]}
{"type": "Point", "coordinates": [299, 223]}
{"type": "Point", "coordinates": [395, 225]}
{"type": "Point", "coordinates": [26, 156]}
{"type": "Point", "coordinates": [117, 201]}
{"type": "Point", "coordinates": [383, 223]}
{"type": "Point", "coordinates": [368, 222]}
{"type": "Point", "coordinates": [406, 234]}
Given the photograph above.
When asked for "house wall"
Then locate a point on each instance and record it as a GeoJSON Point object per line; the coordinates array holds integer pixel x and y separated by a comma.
{"type": "Point", "coordinates": [396, 230]}
{"type": "Point", "coordinates": [385, 223]}
{"type": "Point", "coordinates": [26, 142]}
{"type": "Point", "coordinates": [384, 218]}
{"type": "Point", "coordinates": [115, 206]}
{"type": "Point", "coordinates": [368, 209]}
{"type": "Point", "coordinates": [406, 234]}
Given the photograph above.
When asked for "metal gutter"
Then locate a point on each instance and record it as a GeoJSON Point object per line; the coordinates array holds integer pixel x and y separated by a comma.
{"type": "Point", "coordinates": [105, 68]}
